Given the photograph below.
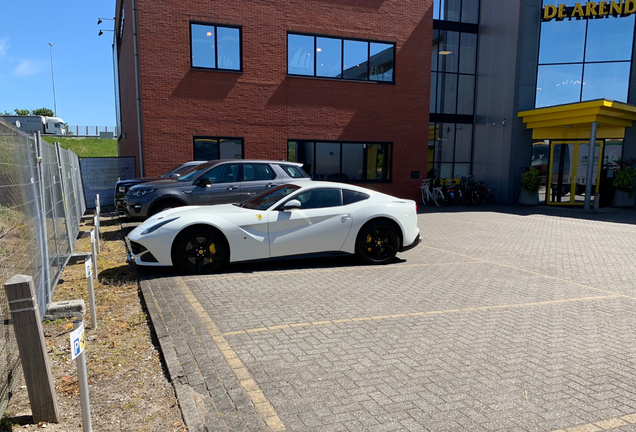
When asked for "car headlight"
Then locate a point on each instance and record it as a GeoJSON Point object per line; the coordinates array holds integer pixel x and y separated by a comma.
{"type": "Point", "coordinates": [121, 189]}
{"type": "Point", "coordinates": [158, 225]}
{"type": "Point", "coordinates": [142, 192]}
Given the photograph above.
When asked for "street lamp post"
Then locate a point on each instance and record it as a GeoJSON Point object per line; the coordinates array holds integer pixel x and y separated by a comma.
{"type": "Point", "coordinates": [53, 80]}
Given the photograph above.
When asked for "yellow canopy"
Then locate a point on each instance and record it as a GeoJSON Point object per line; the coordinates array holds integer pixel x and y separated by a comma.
{"type": "Point", "coordinates": [573, 121]}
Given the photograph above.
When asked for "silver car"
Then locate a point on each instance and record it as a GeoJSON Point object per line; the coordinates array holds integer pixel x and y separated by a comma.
{"type": "Point", "coordinates": [214, 182]}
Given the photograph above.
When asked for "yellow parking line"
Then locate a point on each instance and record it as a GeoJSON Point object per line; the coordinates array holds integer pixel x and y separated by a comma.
{"type": "Point", "coordinates": [602, 425]}
{"type": "Point", "coordinates": [418, 314]}
{"type": "Point", "coordinates": [266, 273]}
{"type": "Point", "coordinates": [254, 392]}
{"type": "Point", "coordinates": [529, 271]}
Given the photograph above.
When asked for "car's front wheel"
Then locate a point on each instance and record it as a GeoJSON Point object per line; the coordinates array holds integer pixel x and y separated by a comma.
{"type": "Point", "coordinates": [200, 250]}
{"type": "Point", "coordinates": [378, 242]}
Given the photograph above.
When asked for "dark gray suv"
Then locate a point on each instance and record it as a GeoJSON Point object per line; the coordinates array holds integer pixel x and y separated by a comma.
{"type": "Point", "coordinates": [122, 186]}
{"type": "Point", "coordinates": [214, 182]}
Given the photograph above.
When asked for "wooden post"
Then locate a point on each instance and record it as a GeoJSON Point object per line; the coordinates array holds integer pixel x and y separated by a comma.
{"type": "Point", "coordinates": [30, 338]}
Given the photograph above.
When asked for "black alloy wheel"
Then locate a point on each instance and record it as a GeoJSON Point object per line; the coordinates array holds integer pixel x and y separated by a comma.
{"type": "Point", "coordinates": [200, 250]}
{"type": "Point", "coordinates": [377, 242]}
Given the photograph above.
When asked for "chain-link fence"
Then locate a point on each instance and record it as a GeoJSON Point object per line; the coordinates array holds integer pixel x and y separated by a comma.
{"type": "Point", "coordinates": [41, 204]}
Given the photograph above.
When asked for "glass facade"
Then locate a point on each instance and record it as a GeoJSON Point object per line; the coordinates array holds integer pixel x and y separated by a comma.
{"type": "Point", "coordinates": [581, 58]}
{"type": "Point", "coordinates": [342, 161]}
{"type": "Point", "coordinates": [450, 149]}
{"type": "Point", "coordinates": [466, 11]}
{"type": "Point", "coordinates": [453, 75]}
{"type": "Point", "coordinates": [584, 59]}
{"type": "Point", "coordinates": [453, 72]}
{"type": "Point", "coordinates": [338, 58]}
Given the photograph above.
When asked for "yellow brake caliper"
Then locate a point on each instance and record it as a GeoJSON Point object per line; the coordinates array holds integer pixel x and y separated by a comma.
{"type": "Point", "coordinates": [212, 250]}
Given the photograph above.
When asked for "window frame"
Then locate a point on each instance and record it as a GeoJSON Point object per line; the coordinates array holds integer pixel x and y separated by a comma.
{"type": "Point", "coordinates": [218, 143]}
{"type": "Point", "coordinates": [582, 63]}
{"type": "Point", "coordinates": [388, 166]}
{"type": "Point", "coordinates": [443, 101]}
{"type": "Point", "coordinates": [342, 40]}
{"type": "Point", "coordinates": [216, 46]}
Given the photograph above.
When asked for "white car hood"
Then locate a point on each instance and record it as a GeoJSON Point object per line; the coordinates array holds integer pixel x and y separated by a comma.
{"type": "Point", "coordinates": [225, 211]}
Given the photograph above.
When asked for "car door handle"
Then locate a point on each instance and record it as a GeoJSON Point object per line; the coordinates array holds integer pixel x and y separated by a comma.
{"type": "Point", "coordinates": [232, 187]}
{"type": "Point", "coordinates": [345, 218]}
{"type": "Point", "coordinates": [269, 185]}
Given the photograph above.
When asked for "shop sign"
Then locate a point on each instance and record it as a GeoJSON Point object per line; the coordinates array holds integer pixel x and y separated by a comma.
{"type": "Point", "coordinates": [589, 10]}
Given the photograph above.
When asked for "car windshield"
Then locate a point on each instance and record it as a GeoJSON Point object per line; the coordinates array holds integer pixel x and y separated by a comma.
{"type": "Point", "coordinates": [266, 199]}
{"type": "Point", "coordinates": [170, 171]}
{"type": "Point", "coordinates": [183, 171]}
{"type": "Point", "coordinates": [194, 173]}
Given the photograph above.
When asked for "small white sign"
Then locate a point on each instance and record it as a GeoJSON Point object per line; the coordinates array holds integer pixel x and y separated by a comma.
{"type": "Point", "coordinates": [77, 341]}
{"type": "Point", "coordinates": [92, 236]}
{"type": "Point", "coordinates": [89, 267]}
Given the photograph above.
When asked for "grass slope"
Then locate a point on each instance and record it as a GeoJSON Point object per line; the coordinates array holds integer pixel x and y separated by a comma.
{"type": "Point", "coordinates": [86, 147]}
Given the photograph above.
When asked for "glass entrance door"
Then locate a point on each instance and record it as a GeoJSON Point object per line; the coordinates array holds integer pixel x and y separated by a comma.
{"type": "Point", "coordinates": [568, 171]}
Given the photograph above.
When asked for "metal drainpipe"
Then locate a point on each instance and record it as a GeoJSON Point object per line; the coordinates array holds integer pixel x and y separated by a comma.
{"type": "Point", "coordinates": [590, 167]}
{"type": "Point", "coordinates": [138, 92]}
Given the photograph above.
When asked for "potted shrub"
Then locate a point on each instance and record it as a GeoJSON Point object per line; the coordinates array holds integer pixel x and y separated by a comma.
{"type": "Point", "coordinates": [530, 183]}
{"type": "Point", "coordinates": [623, 182]}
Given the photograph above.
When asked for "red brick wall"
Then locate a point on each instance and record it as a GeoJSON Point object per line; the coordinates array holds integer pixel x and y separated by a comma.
{"type": "Point", "coordinates": [265, 106]}
{"type": "Point", "coordinates": [128, 144]}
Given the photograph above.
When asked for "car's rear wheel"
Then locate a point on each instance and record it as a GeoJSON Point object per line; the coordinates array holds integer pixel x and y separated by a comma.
{"type": "Point", "coordinates": [200, 250]}
{"type": "Point", "coordinates": [378, 242]}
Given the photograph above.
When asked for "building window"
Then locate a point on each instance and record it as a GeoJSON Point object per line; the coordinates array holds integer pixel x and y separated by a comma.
{"type": "Point", "coordinates": [453, 75]}
{"type": "Point", "coordinates": [453, 72]}
{"type": "Point", "coordinates": [466, 11]}
{"type": "Point", "coordinates": [450, 150]}
{"type": "Point", "coordinates": [213, 148]}
{"type": "Point", "coordinates": [342, 161]}
{"type": "Point", "coordinates": [215, 47]}
{"type": "Point", "coordinates": [338, 58]}
{"type": "Point", "coordinates": [584, 59]}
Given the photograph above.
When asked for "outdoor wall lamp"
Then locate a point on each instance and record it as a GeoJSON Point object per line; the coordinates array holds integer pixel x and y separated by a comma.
{"type": "Point", "coordinates": [99, 20]}
{"type": "Point", "coordinates": [101, 32]}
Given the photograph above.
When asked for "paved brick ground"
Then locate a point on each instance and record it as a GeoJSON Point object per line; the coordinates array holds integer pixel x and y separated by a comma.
{"type": "Point", "coordinates": [504, 319]}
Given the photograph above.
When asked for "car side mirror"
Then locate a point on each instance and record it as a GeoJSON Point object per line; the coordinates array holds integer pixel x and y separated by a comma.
{"type": "Point", "coordinates": [204, 182]}
{"type": "Point", "coordinates": [291, 205]}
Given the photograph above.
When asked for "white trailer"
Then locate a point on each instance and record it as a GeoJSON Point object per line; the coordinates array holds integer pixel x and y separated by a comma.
{"type": "Point", "coordinates": [42, 124]}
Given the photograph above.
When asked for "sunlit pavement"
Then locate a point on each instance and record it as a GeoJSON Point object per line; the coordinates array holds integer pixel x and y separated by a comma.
{"type": "Point", "coordinates": [504, 318]}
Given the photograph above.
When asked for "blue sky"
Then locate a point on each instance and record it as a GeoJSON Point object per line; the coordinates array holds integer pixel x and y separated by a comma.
{"type": "Point", "coordinates": [82, 60]}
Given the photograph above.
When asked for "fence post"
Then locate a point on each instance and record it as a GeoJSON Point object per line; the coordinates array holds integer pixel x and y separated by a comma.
{"type": "Point", "coordinates": [43, 212]}
{"type": "Point", "coordinates": [94, 254]}
{"type": "Point", "coordinates": [60, 169]}
{"type": "Point", "coordinates": [82, 379]}
{"type": "Point", "coordinates": [30, 339]}
{"type": "Point", "coordinates": [88, 265]}
{"type": "Point", "coordinates": [97, 222]}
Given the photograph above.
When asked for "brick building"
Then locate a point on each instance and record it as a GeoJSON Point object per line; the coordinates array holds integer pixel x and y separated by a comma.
{"type": "Point", "coordinates": [385, 92]}
{"type": "Point", "coordinates": [342, 86]}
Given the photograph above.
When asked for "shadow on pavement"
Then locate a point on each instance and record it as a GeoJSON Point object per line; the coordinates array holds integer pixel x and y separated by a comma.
{"type": "Point", "coordinates": [604, 214]}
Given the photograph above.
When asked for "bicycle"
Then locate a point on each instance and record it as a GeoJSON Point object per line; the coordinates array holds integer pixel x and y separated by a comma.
{"type": "Point", "coordinates": [451, 191]}
{"type": "Point", "coordinates": [466, 186]}
{"type": "Point", "coordinates": [435, 195]}
{"type": "Point", "coordinates": [481, 194]}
